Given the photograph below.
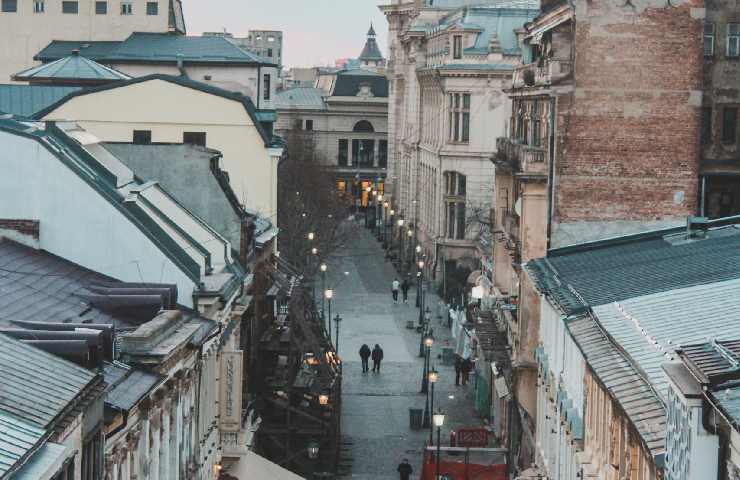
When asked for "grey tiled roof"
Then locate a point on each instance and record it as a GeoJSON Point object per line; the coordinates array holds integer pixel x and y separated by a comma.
{"type": "Point", "coordinates": [35, 385]}
{"type": "Point", "coordinates": [26, 100]}
{"type": "Point", "coordinates": [127, 386]}
{"type": "Point", "coordinates": [640, 402]}
{"type": "Point", "coordinates": [348, 83]}
{"type": "Point", "coordinates": [74, 67]}
{"type": "Point", "coordinates": [301, 98]}
{"type": "Point", "coordinates": [38, 286]}
{"type": "Point", "coordinates": [603, 272]}
{"type": "Point", "coordinates": [371, 50]}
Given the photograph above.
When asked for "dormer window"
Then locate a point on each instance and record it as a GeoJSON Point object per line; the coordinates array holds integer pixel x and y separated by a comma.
{"type": "Point", "coordinates": [457, 47]}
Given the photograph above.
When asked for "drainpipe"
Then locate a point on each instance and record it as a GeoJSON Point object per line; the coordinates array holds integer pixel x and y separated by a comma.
{"type": "Point", "coordinates": [551, 171]}
{"type": "Point", "coordinates": [181, 64]}
{"type": "Point", "coordinates": [259, 83]}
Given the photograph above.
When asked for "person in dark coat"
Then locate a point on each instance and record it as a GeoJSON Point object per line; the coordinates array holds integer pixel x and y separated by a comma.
{"type": "Point", "coordinates": [466, 367]}
{"type": "Point", "coordinates": [405, 289]}
{"type": "Point", "coordinates": [377, 357]}
{"type": "Point", "coordinates": [458, 369]}
{"type": "Point", "coordinates": [404, 469]}
{"type": "Point", "coordinates": [364, 355]}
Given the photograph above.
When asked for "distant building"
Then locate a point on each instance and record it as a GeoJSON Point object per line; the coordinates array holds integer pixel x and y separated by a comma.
{"type": "Point", "coordinates": [265, 43]}
{"type": "Point", "coordinates": [371, 57]}
{"type": "Point", "coordinates": [346, 116]}
{"type": "Point", "coordinates": [211, 60]}
{"type": "Point", "coordinates": [28, 26]}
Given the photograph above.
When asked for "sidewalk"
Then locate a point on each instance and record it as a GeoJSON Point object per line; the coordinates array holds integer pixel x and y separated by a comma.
{"type": "Point", "coordinates": [375, 421]}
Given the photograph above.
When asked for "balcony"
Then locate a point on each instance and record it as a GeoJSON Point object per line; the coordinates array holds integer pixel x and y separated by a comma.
{"type": "Point", "coordinates": [524, 160]}
{"type": "Point", "coordinates": [551, 72]}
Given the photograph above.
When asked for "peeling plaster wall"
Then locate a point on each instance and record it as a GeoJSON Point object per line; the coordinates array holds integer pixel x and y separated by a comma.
{"type": "Point", "coordinates": [627, 133]}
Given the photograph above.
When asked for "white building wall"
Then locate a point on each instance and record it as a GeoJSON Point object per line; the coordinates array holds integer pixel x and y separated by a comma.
{"type": "Point", "coordinates": [76, 222]}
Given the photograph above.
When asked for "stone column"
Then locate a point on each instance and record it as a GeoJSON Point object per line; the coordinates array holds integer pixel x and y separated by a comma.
{"type": "Point", "coordinates": [164, 452]}
{"type": "Point", "coordinates": [176, 429]}
{"type": "Point", "coordinates": [375, 153]}
{"type": "Point", "coordinates": [156, 435]}
{"type": "Point", "coordinates": [142, 466]}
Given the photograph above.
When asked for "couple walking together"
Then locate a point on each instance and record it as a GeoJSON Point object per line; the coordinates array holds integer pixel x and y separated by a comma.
{"type": "Point", "coordinates": [404, 288]}
{"type": "Point", "coordinates": [376, 354]}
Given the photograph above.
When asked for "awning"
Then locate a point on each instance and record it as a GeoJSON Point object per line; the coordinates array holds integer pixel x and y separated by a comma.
{"type": "Point", "coordinates": [252, 466]}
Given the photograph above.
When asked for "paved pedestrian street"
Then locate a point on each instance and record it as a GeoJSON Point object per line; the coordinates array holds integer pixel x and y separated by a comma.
{"type": "Point", "coordinates": [375, 417]}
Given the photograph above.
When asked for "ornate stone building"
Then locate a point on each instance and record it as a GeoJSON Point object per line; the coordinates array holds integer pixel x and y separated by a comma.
{"type": "Point", "coordinates": [447, 69]}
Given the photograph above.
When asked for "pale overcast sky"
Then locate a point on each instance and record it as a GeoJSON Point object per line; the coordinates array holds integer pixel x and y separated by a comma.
{"type": "Point", "coordinates": [315, 32]}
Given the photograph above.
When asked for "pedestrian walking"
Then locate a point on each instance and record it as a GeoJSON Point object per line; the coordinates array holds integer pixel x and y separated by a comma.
{"type": "Point", "coordinates": [404, 469]}
{"type": "Point", "coordinates": [394, 289]}
{"type": "Point", "coordinates": [466, 367]}
{"type": "Point", "coordinates": [405, 289]}
{"type": "Point", "coordinates": [377, 357]}
{"type": "Point", "coordinates": [364, 355]}
{"type": "Point", "coordinates": [458, 369]}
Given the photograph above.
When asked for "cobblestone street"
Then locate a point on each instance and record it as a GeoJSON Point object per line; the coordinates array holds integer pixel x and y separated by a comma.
{"type": "Point", "coordinates": [375, 421]}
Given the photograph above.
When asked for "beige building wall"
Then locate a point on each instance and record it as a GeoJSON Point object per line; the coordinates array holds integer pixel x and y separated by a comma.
{"type": "Point", "coordinates": [24, 33]}
{"type": "Point", "coordinates": [169, 110]}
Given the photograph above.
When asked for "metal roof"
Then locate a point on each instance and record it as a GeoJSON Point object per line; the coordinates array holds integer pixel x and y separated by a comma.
{"type": "Point", "coordinates": [38, 286]}
{"type": "Point", "coordinates": [63, 48]}
{"type": "Point", "coordinates": [348, 83]}
{"type": "Point", "coordinates": [18, 439]}
{"type": "Point", "coordinates": [649, 328]}
{"type": "Point", "coordinates": [74, 67]}
{"type": "Point", "coordinates": [300, 98]}
{"type": "Point", "coordinates": [602, 272]}
{"type": "Point", "coordinates": [26, 100]}
{"type": "Point", "coordinates": [49, 458]}
{"type": "Point", "coordinates": [127, 386]}
{"type": "Point", "coordinates": [35, 385]}
{"type": "Point", "coordinates": [640, 402]}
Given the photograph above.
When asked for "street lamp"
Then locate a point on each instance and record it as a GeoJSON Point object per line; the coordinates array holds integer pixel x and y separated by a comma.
{"type": "Point", "coordinates": [400, 243]}
{"type": "Point", "coordinates": [323, 267]}
{"type": "Point", "coordinates": [323, 399]}
{"type": "Point", "coordinates": [439, 421]}
{"type": "Point", "coordinates": [337, 321]}
{"type": "Point", "coordinates": [428, 342]}
{"type": "Point", "coordinates": [329, 294]}
{"type": "Point", "coordinates": [420, 296]}
{"type": "Point", "coordinates": [433, 377]}
{"type": "Point", "coordinates": [311, 235]}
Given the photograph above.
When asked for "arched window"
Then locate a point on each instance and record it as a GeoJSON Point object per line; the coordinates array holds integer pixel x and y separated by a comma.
{"type": "Point", "coordinates": [363, 126]}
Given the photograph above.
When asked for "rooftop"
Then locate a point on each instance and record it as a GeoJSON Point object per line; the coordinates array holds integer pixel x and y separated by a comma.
{"type": "Point", "coordinates": [18, 440]}
{"type": "Point", "coordinates": [38, 386]}
{"type": "Point", "coordinates": [301, 98]}
{"type": "Point", "coordinates": [349, 82]}
{"type": "Point", "coordinates": [72, 68]}
{"type": "Point", "coordinates": [26, 100]}
{"type": "Point", "coordinates": [141, 47]}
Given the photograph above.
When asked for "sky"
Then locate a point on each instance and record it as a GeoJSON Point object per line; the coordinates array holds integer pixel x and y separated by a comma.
{"type": "Point", "coordinates": [315, 32]}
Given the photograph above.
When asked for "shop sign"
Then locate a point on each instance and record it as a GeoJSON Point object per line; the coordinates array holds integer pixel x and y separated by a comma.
{"type": "Point", "coordinates": [230, 401]}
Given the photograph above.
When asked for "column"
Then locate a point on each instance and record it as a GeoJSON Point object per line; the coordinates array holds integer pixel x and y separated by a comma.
{"type": "Point", "coordinates": [375, 153]}
{"type": "Point", "coordinates": [156, 434]}
{"type": "Point", "coordinates": [142, 466]}
{"type": "Point", "coordinates": [164, 452]}
{"type": "Point", "coordinates": [176, 435]}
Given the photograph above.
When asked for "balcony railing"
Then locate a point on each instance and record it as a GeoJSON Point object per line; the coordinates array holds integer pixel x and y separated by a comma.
{"type": "Point", "coordinates": [536, 75]}
{"type": "Point", "coordinates": [523, 159]}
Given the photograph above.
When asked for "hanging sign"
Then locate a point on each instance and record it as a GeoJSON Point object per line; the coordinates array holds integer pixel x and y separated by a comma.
{"type": "Point", "coordinates": [230, 401]}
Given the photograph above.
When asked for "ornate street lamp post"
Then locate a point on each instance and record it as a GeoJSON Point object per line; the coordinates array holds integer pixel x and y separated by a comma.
{"type": "Point", "coordinates": [439, 421]}
{"type": "Point", "coordinates": [337, 321]}
{"type": "Point", "coordinates": [433, 377]}
{"type": "Point", "coordinates": [428, 342]}
{"type": "Point", "coordinates": [400, 241]}
{"type": "Point", "coordinates": [418, 287]}
{"type": "Point", "coordinates": [323, 269]}
{"type": "Point", "coordinates": [329, 294]}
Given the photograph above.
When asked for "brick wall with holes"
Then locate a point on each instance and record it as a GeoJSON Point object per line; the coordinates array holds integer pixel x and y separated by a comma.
{"type": "Point", "coordinates": [628, 134]}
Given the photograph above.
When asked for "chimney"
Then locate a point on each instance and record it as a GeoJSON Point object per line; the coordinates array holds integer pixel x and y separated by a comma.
{"type": "Point", "coordinates": [25, 232]}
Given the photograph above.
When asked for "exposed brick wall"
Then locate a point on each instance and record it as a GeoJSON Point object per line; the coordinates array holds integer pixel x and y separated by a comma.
{"type": "Point", "coordinates": [628, 136]}
{"type": "Point", "coordinates": [24, 227]}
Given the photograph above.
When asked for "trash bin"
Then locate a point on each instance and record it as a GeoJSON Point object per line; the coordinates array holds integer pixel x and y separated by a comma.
{"type": "Point", "coordinates": [448, 356]}
{"type": "Point", "coordinates": [415, 418]}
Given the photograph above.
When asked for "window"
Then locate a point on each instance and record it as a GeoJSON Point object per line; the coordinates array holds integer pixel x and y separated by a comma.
{"type": "Point", "coordinates": [455, 188]}
{"type": "Point", "coordinates": [38, 6]}
{"type": "Point", "coordinates": [269, 52]}
{"type": "Point", "coordinates": [92, 456]}
{"type": "Point", "coordinates": [70, 7]}
{"type": "Point", "coordinates": [706, 125]}
{"type": "Point", "coordinates": [152, 8]}
{"type": "Point", "coordinates": [363, 126]}
{"type": "Point", "coordinates": [343, 152]}
{"type": "Point", "coordinates": [9, 6]}
{"type": "Point", "coordinates": [194, 138]}
{"type": "Point", "coordinates": [127, 8]}
{"type": "Point", "coordinates": [459, 117]}
{"type": "Point", "coordinates": [142, 137]}
{"type": "Point", "coordinates": [729, 125]}
{"type": "Point", "coordinates": [298, 124]}
{"type": "Point", "coordinates": [266, 85]}
{"type": "Point", "coordinates": [536, 124]}
{"type": "Point", "coordinates": [383, 153]}
{"type": "Point", "coordinates": [457, 46]}
{"type": "Point", "coordinates": [309, 124]}
{"type": "Point", "coordinates": [270, 38]}
{"type": "Point", "coordinates": [733, 39]}
{"type": "Point", "coordinates": [101, 8]}
{"type": "Point", "coordinates": [708, 39]}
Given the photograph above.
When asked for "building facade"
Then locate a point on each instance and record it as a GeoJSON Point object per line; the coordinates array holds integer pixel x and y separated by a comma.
{"type": "Point", "coordinates": [448, 66]}
{"type": "Point", "coordinates": [28, 26]}
{"type": "Point", "coordinates": [265, 43]}
{"type": "Point", "coordinates": [345, 117]}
